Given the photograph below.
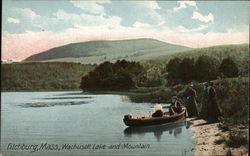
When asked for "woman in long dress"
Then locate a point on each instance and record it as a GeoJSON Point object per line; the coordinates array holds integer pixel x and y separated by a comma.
{"type": "Point", "coordinates": [213, 112]}
{"type": "Point", "coordinates": [203, 111]}
{"type": "Point", "coordinates": [191, 104]}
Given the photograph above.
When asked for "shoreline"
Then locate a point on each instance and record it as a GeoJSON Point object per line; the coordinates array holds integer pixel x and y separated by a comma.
{"type": "Point", "coordinates": [39, 90]}
{"type": "Point", "coordinates": [206, 134]}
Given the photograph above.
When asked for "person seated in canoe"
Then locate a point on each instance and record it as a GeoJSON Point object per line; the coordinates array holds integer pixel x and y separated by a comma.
{"type": "Point", "coordinates": [158, 111]}
{"type": "Point", "coordinates": [175, 106]}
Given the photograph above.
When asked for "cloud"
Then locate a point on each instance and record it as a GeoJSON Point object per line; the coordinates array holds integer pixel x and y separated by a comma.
{"type": "Point", "coordinates": [147, 26]}
{"type": "Point", "coordinates": [62, 20]}
{"type": "Point", "coordinates": [151, 5]}
{"type": "Point", "coordinates": [13, 20]}
{"type": "Point", "coordinates": [31, 19]}
{"type": "Point", "coordinates": [202, 18]}
{"type": "Point", "coordinates": [182, 29]}
{"type": "Point", "coordinates": [26, 12]}
{"type": "Point", "coordinates": [146, 12]}
{"type": "Point", "coordinates": [93, 13]}
{"type": "Point", "coordinates": [91, 6]}
{"type": "Point", "coordinates": [86, 19]}
{"type": "Point", "coordinates": [184, 4]}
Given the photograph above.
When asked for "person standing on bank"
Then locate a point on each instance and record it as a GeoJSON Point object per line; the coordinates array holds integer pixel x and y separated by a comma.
{"type": "Point", "coordinates": [191, 104]}
{"type": "Point", "coordinates": [213, 111]}
{"type": "Point", "coordinates": [203, 111]}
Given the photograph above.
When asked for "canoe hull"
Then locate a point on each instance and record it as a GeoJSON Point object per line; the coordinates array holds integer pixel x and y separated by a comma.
{"type": "Point", "coordinates": [135, 122]}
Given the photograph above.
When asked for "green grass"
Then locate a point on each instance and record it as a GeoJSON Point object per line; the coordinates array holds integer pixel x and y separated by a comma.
{"type": "Point", "coordinates": [237, 139]}
{"type": "Point", "coordinates": [223, 127]}
{"type": "Point", "coordinates": [42, 76]}
{"type": "Point", "coordinates": [219, 141]}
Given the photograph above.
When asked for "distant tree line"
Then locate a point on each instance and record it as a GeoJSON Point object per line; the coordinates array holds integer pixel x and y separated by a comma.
{"type": "Point", "coordinates": [120, 75]}
{"type": "Point", "coordinates": [205, 68]}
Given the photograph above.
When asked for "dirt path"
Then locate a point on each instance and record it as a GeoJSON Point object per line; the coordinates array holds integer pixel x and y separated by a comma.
{"type": "Point", "coordinates": [206, 134]}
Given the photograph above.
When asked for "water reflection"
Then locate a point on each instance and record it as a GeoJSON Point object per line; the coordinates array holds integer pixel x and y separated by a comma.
{"type": "Point", "coordinates": [73, 93]}
{"type": "Point", "coordinates": [64, 98]}
{"type": "Point", "coordinates": [174, 129]}
{"type": "Point", "coordinates": [51, 104]}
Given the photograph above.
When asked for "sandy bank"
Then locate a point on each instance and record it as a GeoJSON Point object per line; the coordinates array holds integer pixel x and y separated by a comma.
{"type": "Point", "coordinates": [205, 135]}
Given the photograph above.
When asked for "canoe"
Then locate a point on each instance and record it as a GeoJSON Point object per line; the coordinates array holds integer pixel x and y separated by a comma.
{"type": "Point", "coordinates": [156, 129]}
{"type": "Point", "coordinates": [147, 120]}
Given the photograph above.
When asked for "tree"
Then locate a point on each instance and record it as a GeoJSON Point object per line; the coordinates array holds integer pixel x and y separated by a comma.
{"type": "Point", "coordinates": [206, 68]}
{"type": "Point", "coordinates": [228, 68]}
{"type": "Point", "coordinates": [112, 76]}
{"type": "Point", "coordinates": [172, 68]}
{"type": "Point", "coordinates": [150, 78]}
{"type": "Point", "coordinates": [187, 70]}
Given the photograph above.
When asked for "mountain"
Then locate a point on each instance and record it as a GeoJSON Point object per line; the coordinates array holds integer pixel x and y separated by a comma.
{"type": "Point", "coordinates": [105, 50]}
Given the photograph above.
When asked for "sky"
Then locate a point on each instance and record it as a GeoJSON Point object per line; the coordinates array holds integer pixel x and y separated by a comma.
{"type": "Point", "coordinates": [32, 26]}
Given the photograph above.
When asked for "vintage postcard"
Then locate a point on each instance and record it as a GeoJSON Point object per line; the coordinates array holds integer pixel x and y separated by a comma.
{"type": "Point", "coordinates": [124, 78]}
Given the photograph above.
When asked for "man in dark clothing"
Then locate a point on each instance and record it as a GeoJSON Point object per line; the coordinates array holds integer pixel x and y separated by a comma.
{"type": "Point", "coordinates": [213, 112]}
{"type": "Point", "coordinates": [191, 103]}
{"type": "Point", "coordinates": [158, 113]}
{"type": "Point", "coordinates": [175, 106]}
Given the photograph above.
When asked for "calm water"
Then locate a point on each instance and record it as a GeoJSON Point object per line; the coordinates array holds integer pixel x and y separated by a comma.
{"type": "Point", "coordinates": [54, 120]}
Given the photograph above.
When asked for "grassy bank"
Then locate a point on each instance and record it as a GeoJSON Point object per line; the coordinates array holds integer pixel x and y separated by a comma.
{"type": "Point", "coordinates": [38, 76]}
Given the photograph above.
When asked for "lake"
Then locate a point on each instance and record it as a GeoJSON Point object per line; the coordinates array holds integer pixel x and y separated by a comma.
{"type": "Point", "coordinates": [76, 123]}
